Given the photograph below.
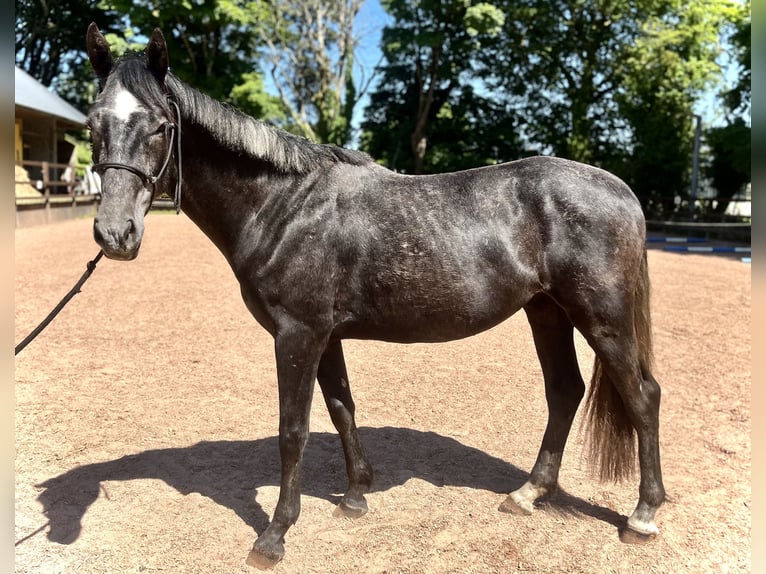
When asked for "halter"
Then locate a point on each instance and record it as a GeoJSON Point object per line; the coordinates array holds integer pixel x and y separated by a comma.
{"type": "Point", "coordinates": [171, 131]}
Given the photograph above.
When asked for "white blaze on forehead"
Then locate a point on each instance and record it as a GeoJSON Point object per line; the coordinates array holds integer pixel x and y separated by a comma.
{"type": "Point", "coordinates": [125, 104]}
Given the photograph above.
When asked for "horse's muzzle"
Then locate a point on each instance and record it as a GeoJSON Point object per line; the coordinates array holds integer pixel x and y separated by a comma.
{"type": "Point", "coordinates": [119, 240]}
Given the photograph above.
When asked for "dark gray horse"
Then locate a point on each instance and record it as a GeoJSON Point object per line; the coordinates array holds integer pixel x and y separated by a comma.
{"type": "Point", "coordinates": [327, 245]}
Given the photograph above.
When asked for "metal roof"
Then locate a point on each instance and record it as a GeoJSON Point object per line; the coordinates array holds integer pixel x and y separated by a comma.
{"type": "Point", "coordinates": [33, 95]}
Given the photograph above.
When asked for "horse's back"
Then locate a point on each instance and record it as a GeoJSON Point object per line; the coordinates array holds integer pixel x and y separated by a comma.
{"type": "Point", "coordinates": [521, 184]}
{"type": "Point", "coordinates": [531, 208]}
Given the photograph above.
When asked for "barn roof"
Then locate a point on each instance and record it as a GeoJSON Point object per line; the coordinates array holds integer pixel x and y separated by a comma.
{"type": "Point", "coordinates": [32, 95]}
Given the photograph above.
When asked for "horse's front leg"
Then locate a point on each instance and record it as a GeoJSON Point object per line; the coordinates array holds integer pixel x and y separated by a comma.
{"type": "Point", "coordinates": [298, 349]}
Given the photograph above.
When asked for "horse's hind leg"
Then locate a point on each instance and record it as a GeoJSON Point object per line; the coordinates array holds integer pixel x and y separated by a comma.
{"type": "Point", "coordinates": [564, 389]}
{"type": "Point", "coordinates": [635, 405]}
{"type": "Point", "coordinates": [333, 380]}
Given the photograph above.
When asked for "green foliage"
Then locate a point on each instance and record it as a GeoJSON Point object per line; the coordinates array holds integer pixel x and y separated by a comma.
{"type": "Point", "coordinates": [50, 42]}
{"type": "Point", "coordinates": [483, 18]}
{"type": "Point", "coordinates": [216, 46]}
{"type": "Point", "coordinates": [84, 152]}
{"type": "Point", "coordinates": [427, 85]}
{"type": "Point", "coordinates": [471, 131]}
{"type": "Point", "coordinates": [666, 69]}
{"type": "Point", "coordinates": [209, 41]}
{"type": "Point", "coordinates": [737, 99]}
{"type": "Point", "coordinates": [310, 45]}
{"type": "Point", "coordinates": [561, 62]}
{"type": "Point", "coordinates": [463, 82]}
{"type": "Point", "coordinates": [661, 64]}
{"type": "Point", "coordinates": [46, 31]}
{"type": "Point", "coordinates": [729, 167]}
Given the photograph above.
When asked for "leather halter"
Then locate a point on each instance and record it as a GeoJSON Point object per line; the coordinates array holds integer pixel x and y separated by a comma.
{"type": "Point", "coordinates": [173, 133]}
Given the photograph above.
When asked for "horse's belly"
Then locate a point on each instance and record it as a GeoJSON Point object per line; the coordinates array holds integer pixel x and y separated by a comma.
{"type": "Point", "coordinates": [428, 330]}
{"type": "Point", "coordinates": [423, 316]}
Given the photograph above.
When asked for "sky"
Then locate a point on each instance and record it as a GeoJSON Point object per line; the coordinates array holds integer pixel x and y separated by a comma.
{"type": "Point", "coordinates": [369, 26]}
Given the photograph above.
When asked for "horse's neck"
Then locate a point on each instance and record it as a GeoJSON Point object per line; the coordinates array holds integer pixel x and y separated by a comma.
{"type": "Point", "coordinates": [222, 191]}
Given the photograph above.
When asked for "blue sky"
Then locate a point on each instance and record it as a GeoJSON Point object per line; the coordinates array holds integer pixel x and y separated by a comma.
{"type": "Point", "coordinates": [368, 26]}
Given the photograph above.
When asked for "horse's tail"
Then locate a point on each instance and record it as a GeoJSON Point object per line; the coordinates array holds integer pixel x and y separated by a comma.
{"type": "Point", "coordinates": [611, 443]}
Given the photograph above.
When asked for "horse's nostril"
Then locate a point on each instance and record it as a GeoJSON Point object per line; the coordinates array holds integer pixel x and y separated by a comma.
{"type": "Point", "coordinates": [97, 235]}
{"type": "Point", "coordinates": [114, 236]}
{"type": "Point", "coordinates": [129, 229]}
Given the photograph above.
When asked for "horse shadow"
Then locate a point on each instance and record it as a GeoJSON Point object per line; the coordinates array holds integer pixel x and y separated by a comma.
{"type": "Point", "coordinates": [231, 472]}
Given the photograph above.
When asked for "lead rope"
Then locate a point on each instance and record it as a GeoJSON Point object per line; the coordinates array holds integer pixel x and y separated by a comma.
{"type": "Point", "coordinates": [91, 266]}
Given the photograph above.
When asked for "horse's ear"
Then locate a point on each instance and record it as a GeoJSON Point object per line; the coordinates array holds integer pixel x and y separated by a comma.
{"type": "Point", "coordinates": [98, 51]}
{"type": "Point", "coordinates": [157, 55]}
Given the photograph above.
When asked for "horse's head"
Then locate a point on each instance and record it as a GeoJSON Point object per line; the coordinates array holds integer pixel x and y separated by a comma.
{"type": "Point", "coordinates": [134, 131]}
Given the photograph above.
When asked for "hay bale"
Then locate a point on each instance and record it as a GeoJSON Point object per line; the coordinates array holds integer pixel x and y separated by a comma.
{"type": "Point", "coordinates": [24, 187]}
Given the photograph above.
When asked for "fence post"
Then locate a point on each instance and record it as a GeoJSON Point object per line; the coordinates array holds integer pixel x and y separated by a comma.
{"type": "Point", "coordinates": [70, 190]}
{"type": "Point", "coordinates": [695, 166]}
{"type": "Point", "coordinates": [46, 191]}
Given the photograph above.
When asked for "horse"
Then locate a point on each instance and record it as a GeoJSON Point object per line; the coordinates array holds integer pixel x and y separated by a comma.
{"type": "Point", "coordinates": [328, 245]}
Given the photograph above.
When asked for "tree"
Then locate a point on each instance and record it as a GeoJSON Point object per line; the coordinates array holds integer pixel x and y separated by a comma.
{"type": "Point", "coordinates": [729, 166]}
{"type": "Point", "coordinates": [613, 82]}
{"type": "Point", "coordinates": [471, 130]}
{"type": "Point", "coordinates": [50, 36]}
{"type": "Point", "coordinates": [428, 52]}
{"type": "Point", "coordinates": [217, 47]}
{"type": "Point", "coordinates": [251, 97]}
{"type": "Point", "coordinates": [729, 163]}
{"type": "Point", "coordinates": [310, 57]}
{"type": "Point", "coordinates": [561, 63]}
{"type": "Point", "coordinates": [210, 46]}
{"type": "Point", "coordinates": [669, 67]}
{"type": "Point", "coordinates": [737, 99]}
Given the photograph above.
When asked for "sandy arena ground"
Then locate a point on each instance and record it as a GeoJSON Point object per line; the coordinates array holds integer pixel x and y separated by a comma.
{"type": "Point", "coordinates": [146, 418]}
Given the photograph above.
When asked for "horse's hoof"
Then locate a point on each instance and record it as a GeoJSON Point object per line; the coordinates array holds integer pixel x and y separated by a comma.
{"type": "Point", "coordinates": [351, 508]}
{"type": "Point", "coordinates": [510, 506]}
{"type": "Point", "coordinates": [264, 559]}
{"type": "Point", "coordinates": [630, 536]}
